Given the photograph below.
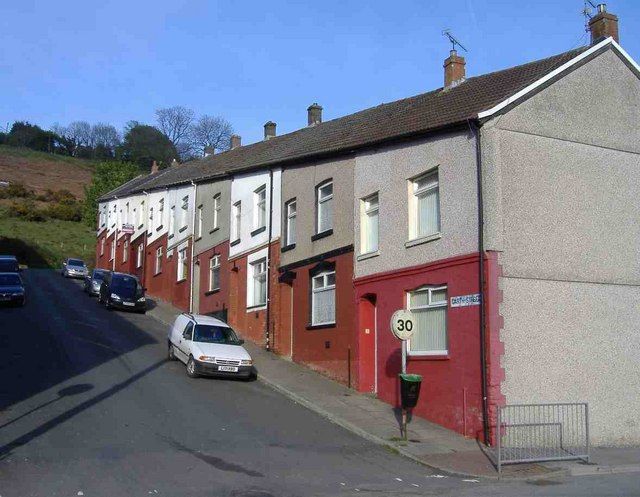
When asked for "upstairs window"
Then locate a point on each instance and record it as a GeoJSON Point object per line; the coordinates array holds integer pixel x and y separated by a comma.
{"type": "Point", "coordinates": [425, 206]}
{"type": "Point", "coordinates": [291, 212]}
{"type": "Point", "coordinates": [429, 308]}
{"type": "Point", "coordinates": [141, 214]}
{"type": "Point", "coordinates": [160, 220]}
{"type": "Point", "coordinates": [214, 273]}
{"type": "Point", "coordinates": [183, 269]}
{"type": "Point", "coordinates": [199, 223]}
{"type": "Point", "coordinates": [150, 218]}
{"type": "Point", "coordinates": [369, 224]}
{"type": "Point", "coordinates": [216, 211]}
{"type": "Point", "coordinates": [172, 220]}
{"type": "Point", "coordinates": [323, 298]}
{"type": "Point", "coordinates": [183, 212]}
{"type": "Point", "coordinates": [260, 207]}
{"type": "Point", "coordinates": [325, 206]}
{"type": "Point", "coordinates": [126, 214]}
{"type": "Point", "coordinates": [237, 220]}
{"type": "Point", "coordinates": [259, 276]}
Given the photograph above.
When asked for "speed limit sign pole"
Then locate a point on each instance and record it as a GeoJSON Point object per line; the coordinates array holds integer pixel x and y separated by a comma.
{"type": "Point", "coordinates": [402, 324]}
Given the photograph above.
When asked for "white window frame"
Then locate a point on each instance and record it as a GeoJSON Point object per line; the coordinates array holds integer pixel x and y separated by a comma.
{"type": "Point", "coordinates": [184, 210]}
{"type": "Point", "coordinates": [158, 264]}
{"type": "Point", "coordinates": [139, 255]}
{"type": "Point", "coordinates": [366, 212]}
{"type": "Point", "coordinates": [125, 251]}
{"type": "Point", "coordinates": [151, 218]}
{"type": "Point", "coordinates": [258, 269]}
{"type": "Point", "coordinates": [199, 222]}
{"type": "Point", "coordinates": [216, 210]}
{"type": "Point", "coordinates": [112, 250]}
{"type": "Point", "coordinates": [291, 215]}
{"type": "Point", "coordinates": [141, 214]}
{"type": "Point", "coordinates": [260, 207]}
{"type": "Point", "coordinates": [326, 287]}
{"type": "Point", "coordinates": [237, 220]}
{"type": "Point", "coordinates": [414, 214]}
{"type": "Point", "coordinates": [172, 220]}
{"type": "Point", "coordinates": [126, 213]}
{"type": "Point", "coordinates": [320, 202]}
{"type": "Point", "coordinates": [102, 242]}
{"type": "Point", "coordinates": [160, 220]}
{"type": "Point", "coordinates": [182, 269]}
{"type": "Point", "coordinates": [431, 305]}
{"type": "Point", "coordinates": [214, 273]}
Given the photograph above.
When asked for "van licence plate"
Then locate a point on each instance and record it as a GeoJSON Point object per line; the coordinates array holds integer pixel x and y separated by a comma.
{"type": "Point", "coordinates": [228, 369]}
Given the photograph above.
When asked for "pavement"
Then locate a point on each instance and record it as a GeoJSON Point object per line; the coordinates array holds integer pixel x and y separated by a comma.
{"type": "Point", "coordinates": [432, 445]}
{"type": "Point", "coordinates": [90, 406]}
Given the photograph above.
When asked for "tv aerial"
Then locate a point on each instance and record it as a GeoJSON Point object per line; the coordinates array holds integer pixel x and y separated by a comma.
{"type": "Point", "coordinates": [454, 41]}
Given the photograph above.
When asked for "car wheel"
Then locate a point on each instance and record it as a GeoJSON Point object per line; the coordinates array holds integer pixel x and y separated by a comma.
{"type": "Point", "coordinates": [191, 368]}
{"type": "Point", "coordinates": [171, 354]}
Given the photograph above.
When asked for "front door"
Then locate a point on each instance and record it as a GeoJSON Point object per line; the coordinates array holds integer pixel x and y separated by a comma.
{"type": "Point", "coordinates": [367, 343]}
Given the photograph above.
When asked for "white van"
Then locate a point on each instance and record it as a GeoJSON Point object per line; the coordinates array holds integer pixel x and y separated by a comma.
{"type": "Point", "coordinates": [209, 347]}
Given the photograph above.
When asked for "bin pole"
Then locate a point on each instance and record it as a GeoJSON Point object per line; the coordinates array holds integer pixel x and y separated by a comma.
{"type": "Point", "coordinates": [404, 370]}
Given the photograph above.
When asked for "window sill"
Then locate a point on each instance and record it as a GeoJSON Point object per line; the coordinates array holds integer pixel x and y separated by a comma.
{"type": "Point", "coordinates": [234, 243]}
{"type": "Point", "coordinates": [141, 226]}
{"type": "Point", "coordinates": [321, 326]}
{"type": "Point", "coordinates": [259, 230]}
{"type": "Point", "coordinates": [171, 236]}
{"type": "Point", "coordinates": [258, 307]}
{"type": "Point", "coordinates": [428, 357]}
{"type": "Point", "coordinates": [178, 282]}
{"type": "Point", "coordinates": [159, 228]}
{"type": "Point", "coordinates": [286, 248]}
{"type": "Point", "coordinates": [368, 255]}
{"type": "Point", "coordinates": [214, 230]}
{"type": "Point", "coordinates": [182, 229]}
{"type": "Point", "coordinates": [422, 239]}
{"type": "Point", "coordinates": [198, 239]}
{"type": "Point", "coordinates": [211, 292]}
{"type": "Point", "coordinates": [322, 234]}
{"type": "Point", "coordinates": [157, 274]}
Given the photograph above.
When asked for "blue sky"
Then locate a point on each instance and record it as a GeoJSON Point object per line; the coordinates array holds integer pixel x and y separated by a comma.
{"type": "Point", "coordinates": [250, 62]}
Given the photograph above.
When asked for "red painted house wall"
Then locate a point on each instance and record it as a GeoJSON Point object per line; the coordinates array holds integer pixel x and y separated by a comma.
{"type": "Point", "coordinates": [133, 269]}
{"type": "Point", "coordinates": [451, 388]}
{"type": "Point", "coordinates": [218, 300]}
{"type": "Point", "coordinates": [328, 350]}
{"type": "Point", "coordinates": [163, 285]}
{"type": "Point", "coordinates": [102, 260]}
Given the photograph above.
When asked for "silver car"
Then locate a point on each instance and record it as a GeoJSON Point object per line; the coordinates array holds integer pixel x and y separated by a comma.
{"type": "Point", "coordinates": [92, 282]}
{"type": "Point", "coordinates": [74, 268]}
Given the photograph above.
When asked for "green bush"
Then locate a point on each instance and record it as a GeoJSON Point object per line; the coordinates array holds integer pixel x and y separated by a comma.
{"type": "Point", "coordinates": [65, 211]}
{"type": "Point", "coordinates": [15, 190]}
{"type": "Point", "coordinates": [27, 210]}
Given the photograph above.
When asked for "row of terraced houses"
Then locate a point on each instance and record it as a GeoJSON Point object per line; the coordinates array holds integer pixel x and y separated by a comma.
{"type": "Point", "coordinates": [502, 209]}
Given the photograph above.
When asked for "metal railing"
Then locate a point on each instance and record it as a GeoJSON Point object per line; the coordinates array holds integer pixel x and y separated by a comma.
{"type": "Point", "coordinates": [541, 432]}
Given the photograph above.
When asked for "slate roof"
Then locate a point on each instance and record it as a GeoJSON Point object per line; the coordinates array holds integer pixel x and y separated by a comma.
{"type": "Point", "coordinates": [420, 114]}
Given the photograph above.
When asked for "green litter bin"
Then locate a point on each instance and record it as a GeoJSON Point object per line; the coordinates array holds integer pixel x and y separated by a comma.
{"type": "Point", "coordinates": [409, 389]}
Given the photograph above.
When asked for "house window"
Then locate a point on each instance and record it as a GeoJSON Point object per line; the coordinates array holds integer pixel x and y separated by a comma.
{"type": "Point", "coordinates": [325, 206]}
{"type": "Point", "coordinates": [115, 216]}
{"type": "Point", "coordinates": [425, 206]}
{"type": "Point", "coordinates": [161, 214]}
{"type": "Point", "coordinates": [199, 221]}
{"type": "Point", "coordinates": [290, 225]}
{"type": "Point", "coordinates": [172, 220]}
{"type": "Point", "coordinates": [125, 251]}
{"type": "Point", "coordinates": [184, 211]}
{"type": "Point", "coordinates": [216, 211]}
{"type": "Point", "coordinates": [112, 250]}
{"type": "Point", "coordinates": [150, 218]}
{"type": "Point", "coordinates": [429, 308]}
{"type": "Point", "coordinates": [214, 273]}
{"type": "Point", "coordinates": [369, 224]}
{"type": "Point", "coordinates": [237, 220]}
{"type": "Point", "coordinates": [182, 264]}
{"type": "Point", "coordinates": [139, 256]}
{"type": "Point", "coordinates": [260, 207]}
{"type": "Point", "coordinates": [323, 298]}
{"type": "Point", "coordinates": [141, 214]}
{"type": "Point", "coordinates": [158, 267]}
{"type": "Point", "coordinates": [259, 276]}
{"type": "Point", "coordinates": [126, 214]}
{"type": "Point", "coordinates": [102, 247]}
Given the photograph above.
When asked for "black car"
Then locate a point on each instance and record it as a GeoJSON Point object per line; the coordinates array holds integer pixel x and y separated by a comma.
{"type": "Point", "coordinates": [122, 291]}
{"type": "Point", "coordinates": [93, 281]}
{"type": "Point", "coordinates": [12, 289]}
{"type": "Point", "coordinates": [9, 264]}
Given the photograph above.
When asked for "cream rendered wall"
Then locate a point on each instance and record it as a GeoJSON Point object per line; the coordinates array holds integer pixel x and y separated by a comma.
{"type": "Point", "coordinates": [387, 171]}
{"type": "Point", "coordinates": [174, 197]}
{"type": "Point", "coordinates": [562, 199]}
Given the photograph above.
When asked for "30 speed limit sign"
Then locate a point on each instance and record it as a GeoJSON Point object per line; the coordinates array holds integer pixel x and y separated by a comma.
{"type": "Point", "coordinates": [402, 324]}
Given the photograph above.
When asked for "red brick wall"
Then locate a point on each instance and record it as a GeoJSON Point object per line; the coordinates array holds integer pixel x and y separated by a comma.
{"type": "Point", "coordinates": [102, 261]}
{"type": "Point", "coordinates": [164, 285]}
{"type": "Point", "coordinates": [133, 258]}
{"type": "Point", "coordinates": [326, 350]}
{"type": "Point", "coordinates": [217, 300]}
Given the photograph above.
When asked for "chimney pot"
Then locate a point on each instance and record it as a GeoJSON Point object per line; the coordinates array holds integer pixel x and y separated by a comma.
{"type": "Point", "coordinates": [154, 167]}
{"type": "Point", "coordinates": [269, 130]}
{"type": "Point", "coordinates": [209, 151]}
{"type": "Point", "coordinates": [314, 114]}
{"type": "Point", "coordinates": [236, 141]}
{"type": "Point", "coordinates": [603, 25]}
{"type": "Point", "coordinates": [454, 72]}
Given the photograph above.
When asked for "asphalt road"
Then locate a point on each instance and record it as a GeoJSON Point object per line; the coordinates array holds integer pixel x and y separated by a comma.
{"type": "Point", "coordinates": [89, 406]}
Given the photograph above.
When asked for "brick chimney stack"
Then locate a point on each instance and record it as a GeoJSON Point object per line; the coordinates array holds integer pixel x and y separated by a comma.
{"type": "Point", "coordinates": [314, 114]}
{"type": "Point", "coordinates": [236, 141]}
{"type": "Point", "coordinates": [603, 25]}
{"type": "Point", "coordinates": [453, 69]}
{"type": "Point", "coordinates": [269, 130]}
{"type": "Point", "coordinates": [154, 167]}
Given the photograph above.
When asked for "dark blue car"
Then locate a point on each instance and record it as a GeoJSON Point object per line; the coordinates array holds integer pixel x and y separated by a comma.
{"type": "Point", "coordinates": [12, 289]}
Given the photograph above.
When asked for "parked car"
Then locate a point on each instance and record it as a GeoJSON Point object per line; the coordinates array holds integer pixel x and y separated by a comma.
{"type": "Point", "coordinates": [209, 347]}
{"type": "Point", "coordinates": [74, 268]}
{"type": "Point", "coordinates": [12, 289]}
{"type": "Point", "coordinates": [9, 264]}
{"type": "Point", "coordinates": [122, 291]}
{"type": "Point", "coordinates": [93, 281]}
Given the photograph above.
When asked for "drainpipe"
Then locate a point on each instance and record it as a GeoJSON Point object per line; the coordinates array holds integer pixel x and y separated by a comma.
{"type": "Point", "coordinates": [144, 240]}
{"type": "Point", "coordinates": [193, 243]}
{"type": "Point", "coordinates": [115, 242]}
{"type": "Point", "coordinates": [266, 332]}
{"type": "Point", "coordinates": [483, 352]}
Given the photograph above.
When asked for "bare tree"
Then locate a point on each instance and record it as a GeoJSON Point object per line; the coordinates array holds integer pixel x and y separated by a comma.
{"type": "Point", "coordinates": [79, 134]}
{"type": "Point", "coordinates": [210, 132]}
{"type": "Point", "coordinates": [105, 135]}
{"type": "Point", "coordinates": [175, 122]}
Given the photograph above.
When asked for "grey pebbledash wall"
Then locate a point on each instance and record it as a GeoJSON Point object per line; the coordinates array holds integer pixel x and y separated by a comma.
{"type": "Point", "coordinates": [562, 199]}
{"type": "Point", "coordinates": [206, 192]}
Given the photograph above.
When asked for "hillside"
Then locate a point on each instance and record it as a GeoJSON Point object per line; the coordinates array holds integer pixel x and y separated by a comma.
{"type": "Point", "coordinates": [39, 171]}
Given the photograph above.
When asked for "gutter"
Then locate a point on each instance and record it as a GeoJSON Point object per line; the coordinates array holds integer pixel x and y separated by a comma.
{"type": "Point", "coordinates": [481, 283]}
{"type": "Point", "coordinates": [268, 312]}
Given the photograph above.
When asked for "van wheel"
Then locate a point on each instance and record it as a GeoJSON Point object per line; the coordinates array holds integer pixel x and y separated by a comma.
{"type": "Point", "coordinates": [171, 354]}
{"type": "Point", "coordinates": [191, 368]}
